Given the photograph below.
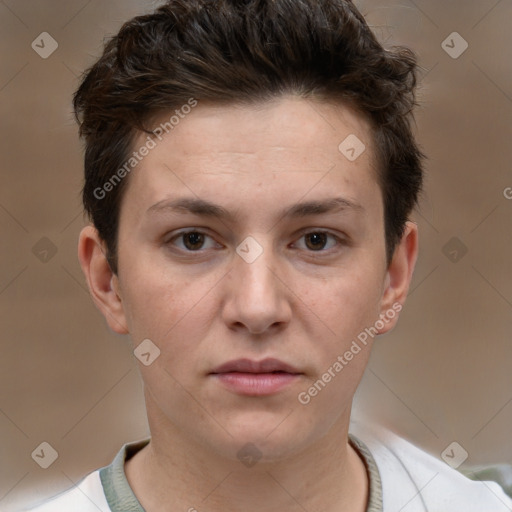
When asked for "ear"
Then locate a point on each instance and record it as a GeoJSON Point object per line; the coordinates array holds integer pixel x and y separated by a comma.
{"type": "Point", "coordinates": [103, 283]}
{"type": "Point", "coordinates": [398, 277]}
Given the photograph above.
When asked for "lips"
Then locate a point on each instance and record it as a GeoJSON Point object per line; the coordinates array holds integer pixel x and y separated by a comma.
{"type": "Point", "coordinates": [255, 378]}
{"type": "Point", "coordinates": [269, 365]}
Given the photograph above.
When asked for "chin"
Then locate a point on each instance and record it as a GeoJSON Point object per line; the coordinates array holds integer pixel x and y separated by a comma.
{"type": "Point", "coordinates": [265, 439]}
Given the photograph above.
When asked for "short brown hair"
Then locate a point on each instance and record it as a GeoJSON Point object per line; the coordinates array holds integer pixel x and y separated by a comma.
{"type": "Point", "coordinates": [246, 51]}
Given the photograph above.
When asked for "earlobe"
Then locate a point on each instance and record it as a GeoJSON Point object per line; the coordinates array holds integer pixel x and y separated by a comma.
{"type": "Point", "coordinates": [398, 277]}
{"type": "Point", "coordinates": [103, 283]}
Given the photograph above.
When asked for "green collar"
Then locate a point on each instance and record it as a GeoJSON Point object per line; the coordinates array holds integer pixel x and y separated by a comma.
{"type": "Point", "coordinates": [121, 498]}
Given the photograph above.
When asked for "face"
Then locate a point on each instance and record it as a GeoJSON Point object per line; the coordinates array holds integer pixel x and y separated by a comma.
{"type": "Point", "coordinates": [251, 253]}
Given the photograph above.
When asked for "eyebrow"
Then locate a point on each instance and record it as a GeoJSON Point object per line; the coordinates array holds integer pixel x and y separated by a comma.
{"type": "Point", "coordinates": [205, 208]}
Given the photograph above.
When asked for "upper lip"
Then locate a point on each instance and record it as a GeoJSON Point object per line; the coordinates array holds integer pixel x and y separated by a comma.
{"type": "Point", "coordinates": [268, 365]}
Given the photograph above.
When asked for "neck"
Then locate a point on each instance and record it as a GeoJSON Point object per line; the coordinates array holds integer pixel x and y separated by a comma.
{"type": "Point", "coordinates": [173, 468]}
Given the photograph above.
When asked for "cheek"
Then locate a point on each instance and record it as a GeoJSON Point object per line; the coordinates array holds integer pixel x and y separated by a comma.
{"type": "Point", "coordinates": [158, 303]}
{"type": "Point", "coordinates": [345, 303]}
{"type": "Point", "coordinates": [346, 308]}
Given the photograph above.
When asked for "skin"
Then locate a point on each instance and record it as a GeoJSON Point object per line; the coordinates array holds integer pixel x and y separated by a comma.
{"type": "Point", "coordinates": [302, 301]}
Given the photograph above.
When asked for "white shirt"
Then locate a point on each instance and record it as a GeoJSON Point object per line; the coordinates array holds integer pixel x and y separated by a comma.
{"type": "Point", "coordinates": [402, 478]}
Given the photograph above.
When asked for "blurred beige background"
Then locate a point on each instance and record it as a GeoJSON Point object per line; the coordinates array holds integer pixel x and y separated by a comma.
{"type": "Point", "coordinates": [443, 375]}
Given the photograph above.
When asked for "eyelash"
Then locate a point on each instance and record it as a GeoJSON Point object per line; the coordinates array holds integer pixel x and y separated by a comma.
{"type": "Point", "coordinates": [339, 241]}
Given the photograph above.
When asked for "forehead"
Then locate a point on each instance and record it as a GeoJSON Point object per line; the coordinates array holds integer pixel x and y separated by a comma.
{"type": "Point", "coordinates": [287, 145]}
{"type": "Point", "coordinates": [286, 122]}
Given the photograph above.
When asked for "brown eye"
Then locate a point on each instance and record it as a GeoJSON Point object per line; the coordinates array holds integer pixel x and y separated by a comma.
{"type": "Point", "coordinates": [316, 241]}
{"type": "Point", "coordinates": [193, 240]}
{"type": "Point", "coordinates": [322, 242]}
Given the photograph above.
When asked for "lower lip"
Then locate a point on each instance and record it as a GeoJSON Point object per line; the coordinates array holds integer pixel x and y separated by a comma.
{"type": "Point", "coordinates": [256, 384]}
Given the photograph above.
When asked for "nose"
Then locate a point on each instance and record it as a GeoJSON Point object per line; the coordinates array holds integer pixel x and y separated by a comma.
{"type": "Point", "coordinates": [257, 298]}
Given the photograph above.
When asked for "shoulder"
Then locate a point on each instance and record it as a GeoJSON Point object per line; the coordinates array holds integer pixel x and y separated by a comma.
{"type": "Point", "coordinates": [86, 496]}
{"type": "Point", "coordinates": [413, 480]}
